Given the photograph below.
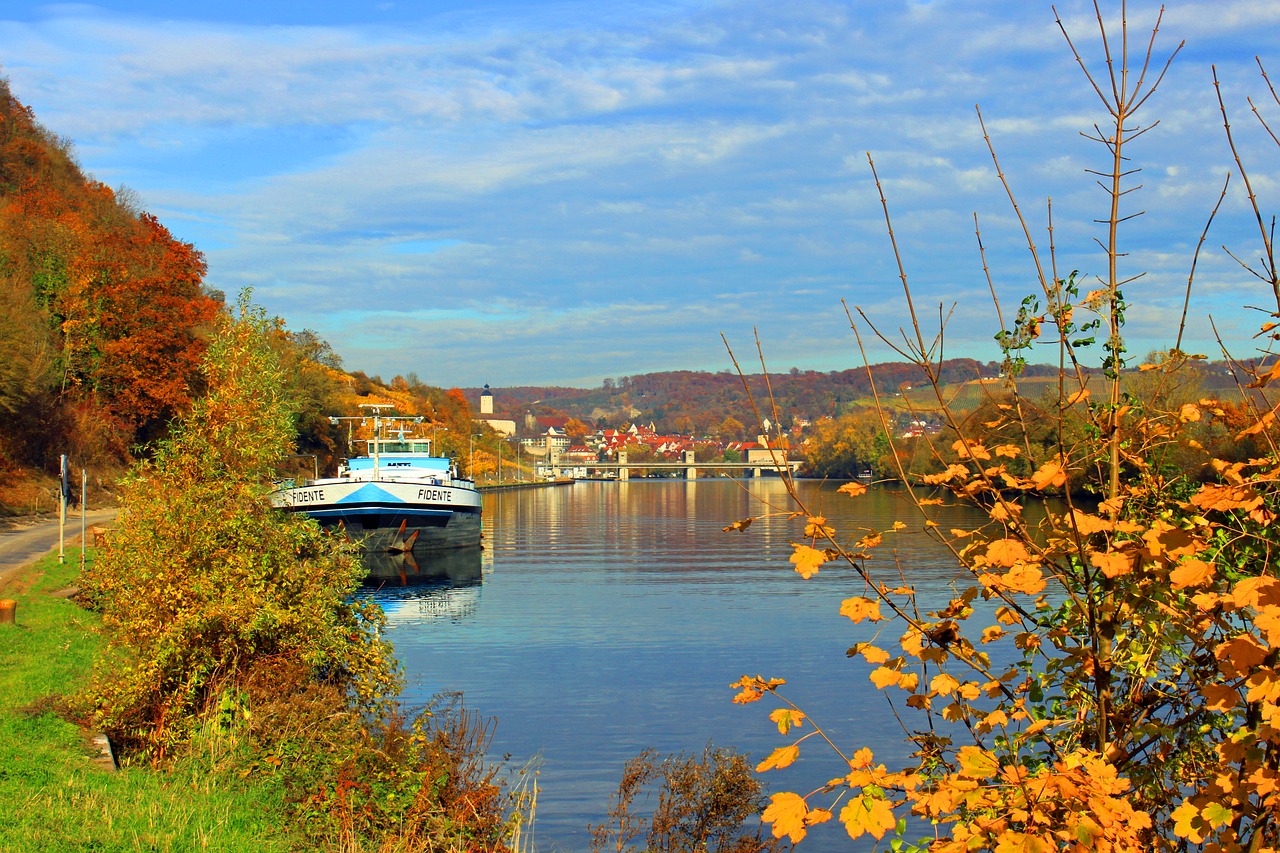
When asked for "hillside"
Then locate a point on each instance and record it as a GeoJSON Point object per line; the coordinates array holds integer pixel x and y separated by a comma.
{"type": "Point", "coordinates": [104, 318]}
{"type": "Point", "coordinates": [697, 402]}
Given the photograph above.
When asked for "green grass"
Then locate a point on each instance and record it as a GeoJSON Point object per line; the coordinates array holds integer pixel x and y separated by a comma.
{"type": "Point", "coordinates": [52, 796]}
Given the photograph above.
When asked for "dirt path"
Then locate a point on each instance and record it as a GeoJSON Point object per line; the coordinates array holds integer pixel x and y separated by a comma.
{"type": "Point", "coordinates": [24, 543]}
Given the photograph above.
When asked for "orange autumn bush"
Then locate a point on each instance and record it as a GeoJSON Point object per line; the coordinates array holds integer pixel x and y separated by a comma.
{"type": "Point", "coordinates": [1140, 610]}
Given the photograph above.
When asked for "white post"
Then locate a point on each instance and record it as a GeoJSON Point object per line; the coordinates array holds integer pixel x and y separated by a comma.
{"type": "Point", "coordinates": [84, 499]}
{"type": "Point", "coordinates": [62, 512]}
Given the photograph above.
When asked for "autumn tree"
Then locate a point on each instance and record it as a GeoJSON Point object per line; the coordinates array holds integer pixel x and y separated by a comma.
{"type": "Point", "coordinates": [1138, 711]}
{"type": "Point", "coordinates": [204, 583]}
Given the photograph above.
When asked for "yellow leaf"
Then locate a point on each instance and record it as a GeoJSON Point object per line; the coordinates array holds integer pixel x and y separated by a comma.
{"type": "Point", "coordinates": [783, 756]}
{"type": "Point", "coordinates": [1078, 397]}
{"type": "Point", "coordinates": [861, 608]}
{"type": "Point", "coordinates": [1189, 412]}
{"type": "Point", "coordinates": [1226, 498]}
{"type": "Point", "coordinates": [740, 526]}
{"type": "Point", "coordinates": [1191, 572]}
{"type": "Point", "coordinates": [884, 676]}
{"type": "Point", "coordinates": [1265, 379]}
{"type": "Point", "coordinates": [971, 449]}
{"type": "Point", "coordinates": [1049, 474]}
{"type": "Point", "coordinates": [817, 527]}
{"type": "Point", "coordinates": [1187, 823]}
{"type": "Point", "coordinates": [1009, 451]}
{"type": "Point", "coordinates": [1220, 697]}
{"type": "Point", "coordinates": [1112, 563]}
{"type": "Point", "coordinates": [867, 814]}
{"type": "Point", "coordinates": [1256, 592]}
{"type": "Point", "coordinates": [786, 718]}
{"type": "Point", "coordinates": [787, 812]}
{"type": "Point", "coordinates": [1267, 420]}
{"type": "Point", "coordinates": [943, 684]}
{"type": "Point", "coordinates": [852, 489]}
{"type": "Point", "coordinates": [1086, 524]}
{"type": "Point", "coordinates": [977, 763]}
{"type": "Point", "coordinates": [753, 687]}
{"type": "Point", "coordinates": [1026, 579]}
{"type": "Point", "coordinates": [1007, 552]}
{"type": "Point", "coordinates": [872, 654]}
{"type": "Point", "coordinates": [807, 560]}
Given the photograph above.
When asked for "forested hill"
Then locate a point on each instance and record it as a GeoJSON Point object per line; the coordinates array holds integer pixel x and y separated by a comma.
{"type": "Point", "coordinates": [104, 322]}
{"type": "Point", "coordinates": [697, 402]}
{"type": "Point", "coordinates": [104, 312]}
{"type": "Point", "coordinates": [694, 402]}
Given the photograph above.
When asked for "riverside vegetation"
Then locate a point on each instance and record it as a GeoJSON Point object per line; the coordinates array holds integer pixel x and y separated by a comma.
{"type": "Point", "coordinates": [1142, 710]}
{"type": "Point", "coordinates": [232, 641]}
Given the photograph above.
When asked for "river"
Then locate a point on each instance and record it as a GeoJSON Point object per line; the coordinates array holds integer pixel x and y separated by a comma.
{"type": "Point", "coordinates": [605, 618]}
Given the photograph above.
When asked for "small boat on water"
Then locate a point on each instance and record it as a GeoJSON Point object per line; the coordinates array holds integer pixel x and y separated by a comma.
{"type": "Point", "coordinates": [397, 498]}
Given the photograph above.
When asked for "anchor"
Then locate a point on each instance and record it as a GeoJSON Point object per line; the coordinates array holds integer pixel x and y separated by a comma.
{"type": "Point", "coordinates": [404, 545]}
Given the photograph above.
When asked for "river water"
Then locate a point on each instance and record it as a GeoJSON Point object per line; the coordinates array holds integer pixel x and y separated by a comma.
{"type": "Point", "coordinates": [605, 618]}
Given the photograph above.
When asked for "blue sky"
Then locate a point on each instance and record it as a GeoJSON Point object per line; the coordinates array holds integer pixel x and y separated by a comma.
{"type": "Point", "coordinates": [557, 192]}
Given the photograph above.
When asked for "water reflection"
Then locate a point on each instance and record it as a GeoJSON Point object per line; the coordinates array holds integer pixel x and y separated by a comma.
{"type": "Point", "coordinates": [412, 568]}
{"type": "Point", "coordinates": [617, 614]}
{"type": "Point", "coordinates": [418, 589]}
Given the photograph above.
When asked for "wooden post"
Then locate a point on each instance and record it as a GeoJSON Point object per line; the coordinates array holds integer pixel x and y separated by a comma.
{"type": "Point", "coordinates": [8, 611]}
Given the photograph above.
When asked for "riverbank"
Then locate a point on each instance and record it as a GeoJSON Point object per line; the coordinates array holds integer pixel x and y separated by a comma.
{"type": "Point", "coordinates": [532, 484]}
{"type": "Point", "coordinates": [54, 793]}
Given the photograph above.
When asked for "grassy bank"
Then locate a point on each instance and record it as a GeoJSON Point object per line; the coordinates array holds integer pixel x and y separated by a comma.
{"type": "Point", "coordinates": [52, 795]}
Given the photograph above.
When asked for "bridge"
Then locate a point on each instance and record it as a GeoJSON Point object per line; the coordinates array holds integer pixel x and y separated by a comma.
{"type": "Point", "coordinates": [756, 465]}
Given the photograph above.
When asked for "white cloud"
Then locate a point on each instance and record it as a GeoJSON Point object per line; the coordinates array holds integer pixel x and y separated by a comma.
{"type": "Point", "coordinates": [600, 173]}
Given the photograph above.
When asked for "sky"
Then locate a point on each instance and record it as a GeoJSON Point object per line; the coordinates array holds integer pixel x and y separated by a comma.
{"type": "Point", "coordinates": [551, 193]}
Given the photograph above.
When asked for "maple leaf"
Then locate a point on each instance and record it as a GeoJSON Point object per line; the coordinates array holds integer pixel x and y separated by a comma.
{"type": "Point", "coordinates": [1187, 823]}
{"type": "Point", "coordinates": [1078, 397]}
{"type": "Point", "coordinates": [817, 527]}
{"type": "Point", "coordinates": [860, 608]}
{"type": "Point", "coordinates": [1240, 654]}
{"type": "Point", "coordinates": [852, 489]}
{"type": "Point", "coordinates": [1226, 498]}
{"type": "Point", "coordinates": [1113, 564]}
{"type": "Point", "coordinates": [1009, 451]}
{"type": "Point", "coordinates": [740, 526]}
{"type": "Point", "coordinates": [1220, 697]}
{"type": "Point", "coordinates": [970, 450]}
{"type": "Point", "coordinates": [1049, 474]}
{"type": "Point", "coordinates": [783, 756]}
{"type": "Point", "coordinates": [872, 654]}
{"type": "Point", "coordinates": [1264, 379]}
{"type": "Point", "coordinates": [943, 684]}
{"type": "Point", "coordinates": [867, 814]}
{"type": "Point", "coordinates": [1256, 592]}
{"type": "Point", "coordinates": [787, 812]}
{"type": "Point", "coordinates": [1191, 572]}
{"type": "Point", "coordinates": [754, 687]}
{"type": "Point", "coordinates": [1267, 420]}
{"type": "Point", "coordinates": [1007, 552]}
{"type": "Point", "coordinates": [1086, 524]}
{"type": "Point", "coordinates": [807, 560]}
{"type": "Point", "coordinates": [1024, 578]}
{"type": "Point", "coordinates": [977, 763]}
{"type": "Point", "coordinates": [884, 676]}
{"type": "Point", "coordinates": [785, 718]}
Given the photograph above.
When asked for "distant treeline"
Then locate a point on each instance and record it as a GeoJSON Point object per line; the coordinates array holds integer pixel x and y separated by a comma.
{"type": "Point", "coordinates": [696, 402]}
